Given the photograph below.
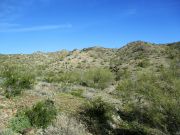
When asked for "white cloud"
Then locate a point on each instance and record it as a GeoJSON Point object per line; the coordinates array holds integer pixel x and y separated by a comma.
{"type": "Point", "coordinates": [34, 28]}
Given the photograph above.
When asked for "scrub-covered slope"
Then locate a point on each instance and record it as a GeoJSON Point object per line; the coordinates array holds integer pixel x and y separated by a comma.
{"type": "Point", "coordinates": [131, 90]}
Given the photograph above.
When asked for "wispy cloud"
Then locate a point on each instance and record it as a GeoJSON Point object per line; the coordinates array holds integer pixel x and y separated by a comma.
{"type": "Point", "coordinates": [10, 9]}
{"type": "Point", "coordinates": [33, 28]}
{"type": "Point", "coordinates": [13, 9]}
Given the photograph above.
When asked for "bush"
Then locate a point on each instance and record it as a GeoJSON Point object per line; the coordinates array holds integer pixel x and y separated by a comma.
{"type": "Point", "coordinates": [172, 51]}
{"type": "Point", "coordinates": [20, 123]}
{"type": "Point", "coordinates": [96, 115]}
{"type": "Point", "coordinates": [42, 114]}
{"type": "Point", "coordinates": [144, 63]}
{"type": "Point", "coordinates": [7, 132]}
{"type": "Point", "coordinates": [16, 80]}
{"type": "Point", "coordinates": [150, 98]}
{"type": "Point", "coordinates": [98, 78]}
{"type": "Point", "coordinates": [122, 74]}
{"type": "Point", "coordinates": [65, 77]}
{"type": "Point", "coordinates": [77, 93]}
{"type": "Point", "coordinates": [133, 128]}
{"type": "Point", "coordinates": [49, 77]}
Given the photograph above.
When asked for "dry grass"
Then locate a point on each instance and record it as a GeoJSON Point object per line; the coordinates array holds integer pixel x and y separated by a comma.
{"type": "Point", "coordinates": [68, 103]}
{"type": "Point", "coordinates": [66, 125]}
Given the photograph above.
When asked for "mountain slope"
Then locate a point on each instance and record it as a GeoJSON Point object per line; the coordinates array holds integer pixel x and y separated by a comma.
{"type": "Point", "coordinates": [131, 90]}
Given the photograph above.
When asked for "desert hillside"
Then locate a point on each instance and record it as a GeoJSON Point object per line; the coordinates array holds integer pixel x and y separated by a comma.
{"type": "Point", "coordinates": [133, 90]}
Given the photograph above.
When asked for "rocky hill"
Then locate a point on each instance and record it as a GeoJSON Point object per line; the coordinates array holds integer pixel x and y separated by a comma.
{"type": "Point", "coordinates": [131, 90]}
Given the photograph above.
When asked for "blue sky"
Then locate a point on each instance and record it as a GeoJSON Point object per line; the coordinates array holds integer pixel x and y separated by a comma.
{"type": "Point", "coordinates": [27, 26]}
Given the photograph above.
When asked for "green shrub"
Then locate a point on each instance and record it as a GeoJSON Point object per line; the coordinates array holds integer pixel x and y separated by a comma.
{"type": "Point", "coordinates": [51, 77]}
{"type": "Point", "coordinates": [7, 132]}
{"type": "Point", "coordinates": [96, 114]}
{"type": "Point", "coordinates": [122, 74]}
{"type": "Point", "coordinates": [20, 123]}
{"type": "Point", "coordinates": [149, 99]}
{"type": "Point", "coordinates": [98, 78]}
{"type": "Point", "coordinates": [42, 114]}
{"type": "Point", "coordinates": [133, 128]}
{"type": "Point", "coordinates": [173, 51]}
{"type": "Point", "coordinates": [65, 77]}
{"type": "Point", "coordinates": [16, 80]}
{"type": "Point", "coordinates": [77, 93]}
{"type": "Point", "coordinates": [70, 77]}
{"type": "Point", "coordinates": [144, 63]}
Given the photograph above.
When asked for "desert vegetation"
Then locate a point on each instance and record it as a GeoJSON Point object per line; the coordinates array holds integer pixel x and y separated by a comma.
{"type": "Point", "coordinates": [93, 91]}
{"type": "Point", "coordinates": [16, 79]}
